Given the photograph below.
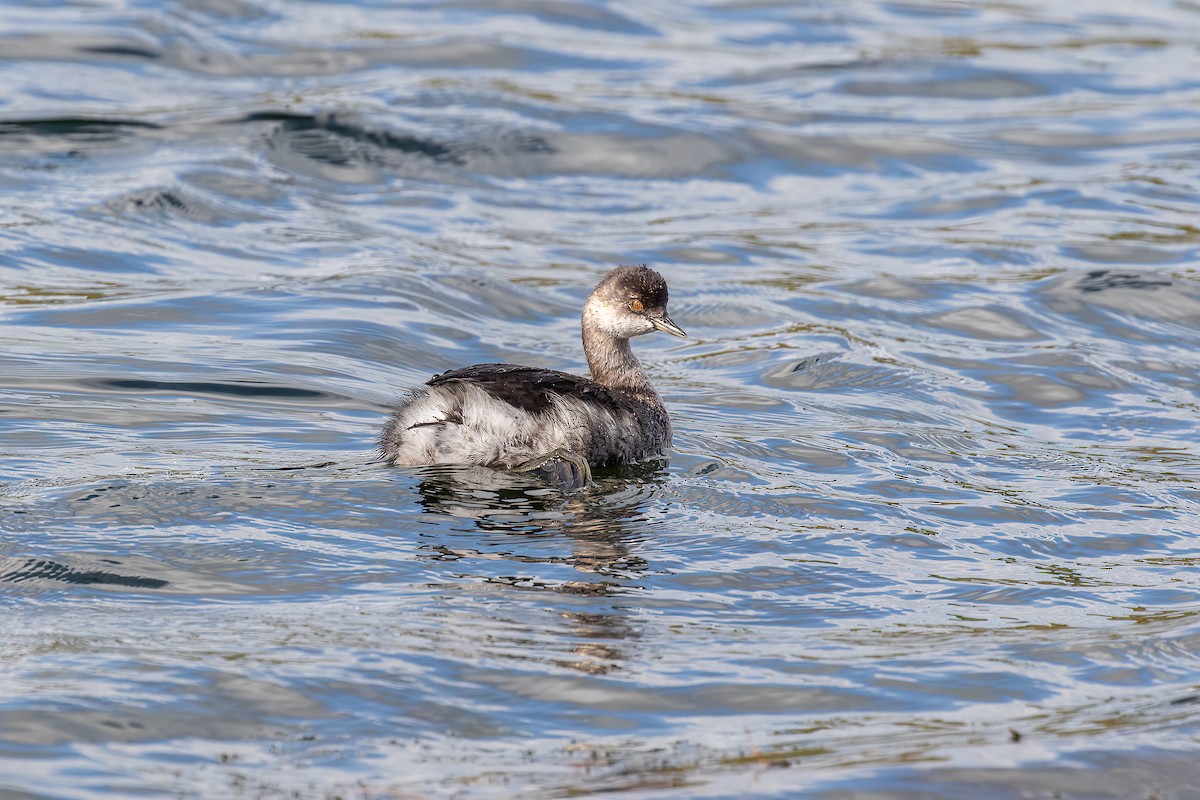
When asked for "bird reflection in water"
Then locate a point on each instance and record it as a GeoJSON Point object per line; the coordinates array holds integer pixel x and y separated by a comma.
{"type": "Point", "coordinates": [601, 525]}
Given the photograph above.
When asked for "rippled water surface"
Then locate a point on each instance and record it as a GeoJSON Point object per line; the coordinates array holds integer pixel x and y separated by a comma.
{"type": "Point", "coordinates": [930, 526]}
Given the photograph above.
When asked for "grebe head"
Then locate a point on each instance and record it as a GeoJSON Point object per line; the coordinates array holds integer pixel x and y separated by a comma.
{"type": "Point", "coordinates": [630, 301]}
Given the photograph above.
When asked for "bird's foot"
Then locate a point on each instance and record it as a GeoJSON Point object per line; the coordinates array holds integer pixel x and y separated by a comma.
{"type": "Point", "coordinates": [561, 467]}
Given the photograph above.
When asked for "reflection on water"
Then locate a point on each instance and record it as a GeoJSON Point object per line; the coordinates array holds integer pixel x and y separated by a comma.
{"type": "Point", "coordinates": [599, 529]}
{"type": "Point", "coordinates": [929, 527]}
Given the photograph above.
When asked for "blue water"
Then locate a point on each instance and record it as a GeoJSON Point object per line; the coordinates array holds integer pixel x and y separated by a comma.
{"type": "Point", "coordinates": [930, 528]}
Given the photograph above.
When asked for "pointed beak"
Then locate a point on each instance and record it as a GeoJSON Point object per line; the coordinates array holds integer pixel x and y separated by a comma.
{"type": "Point", "coordinates": [664, 324]}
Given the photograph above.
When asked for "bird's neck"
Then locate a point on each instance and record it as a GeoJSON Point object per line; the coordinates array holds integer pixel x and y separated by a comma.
{"type": "Point", "coordinates": [613, 363]}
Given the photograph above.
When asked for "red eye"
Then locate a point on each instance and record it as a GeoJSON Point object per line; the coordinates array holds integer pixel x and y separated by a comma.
{"type": "Point", "coordinates": [636, 305]}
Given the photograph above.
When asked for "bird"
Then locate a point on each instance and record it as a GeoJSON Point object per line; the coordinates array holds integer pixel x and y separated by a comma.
{"type": "Point", "coordinates": [526, 419]}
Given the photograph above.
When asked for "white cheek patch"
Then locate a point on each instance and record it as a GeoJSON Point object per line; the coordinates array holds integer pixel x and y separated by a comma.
{"type": "Point", "coordinates": [620, 323]}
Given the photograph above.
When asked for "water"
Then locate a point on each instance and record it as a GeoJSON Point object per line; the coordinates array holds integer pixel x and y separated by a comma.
{"type": "Point", "coordinates": [930, 529]}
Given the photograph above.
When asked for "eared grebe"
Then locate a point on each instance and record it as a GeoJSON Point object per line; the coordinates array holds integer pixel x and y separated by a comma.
{"type": "Point", "coordinates": [517, 418]}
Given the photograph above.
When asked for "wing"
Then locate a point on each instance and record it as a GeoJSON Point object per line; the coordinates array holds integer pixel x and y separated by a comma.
{"type": "Point", "coordinates": [532, 389]}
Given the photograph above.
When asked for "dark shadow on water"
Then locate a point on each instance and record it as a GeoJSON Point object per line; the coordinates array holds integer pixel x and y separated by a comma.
{"type": "Point", "coordinates": [72, 126]}
{"type": "Point", "coordinates": [243, 389]}
{"type": "Point", "coordinates": [1099, 280]}
{"type": "Point", "coordinates": [339, 127]}
{"type": "Point", "coordinates": [30, 569]}
{"type": "Point", "coordinates": [340, 140]}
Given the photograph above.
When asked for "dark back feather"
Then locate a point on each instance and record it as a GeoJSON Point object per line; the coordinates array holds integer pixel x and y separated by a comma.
{"type": "Point", "coordinates": [533, 389]}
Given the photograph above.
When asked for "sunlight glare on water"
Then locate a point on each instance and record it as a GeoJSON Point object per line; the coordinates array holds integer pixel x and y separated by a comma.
{"type": "Point", "coordinates": [930, 526]}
